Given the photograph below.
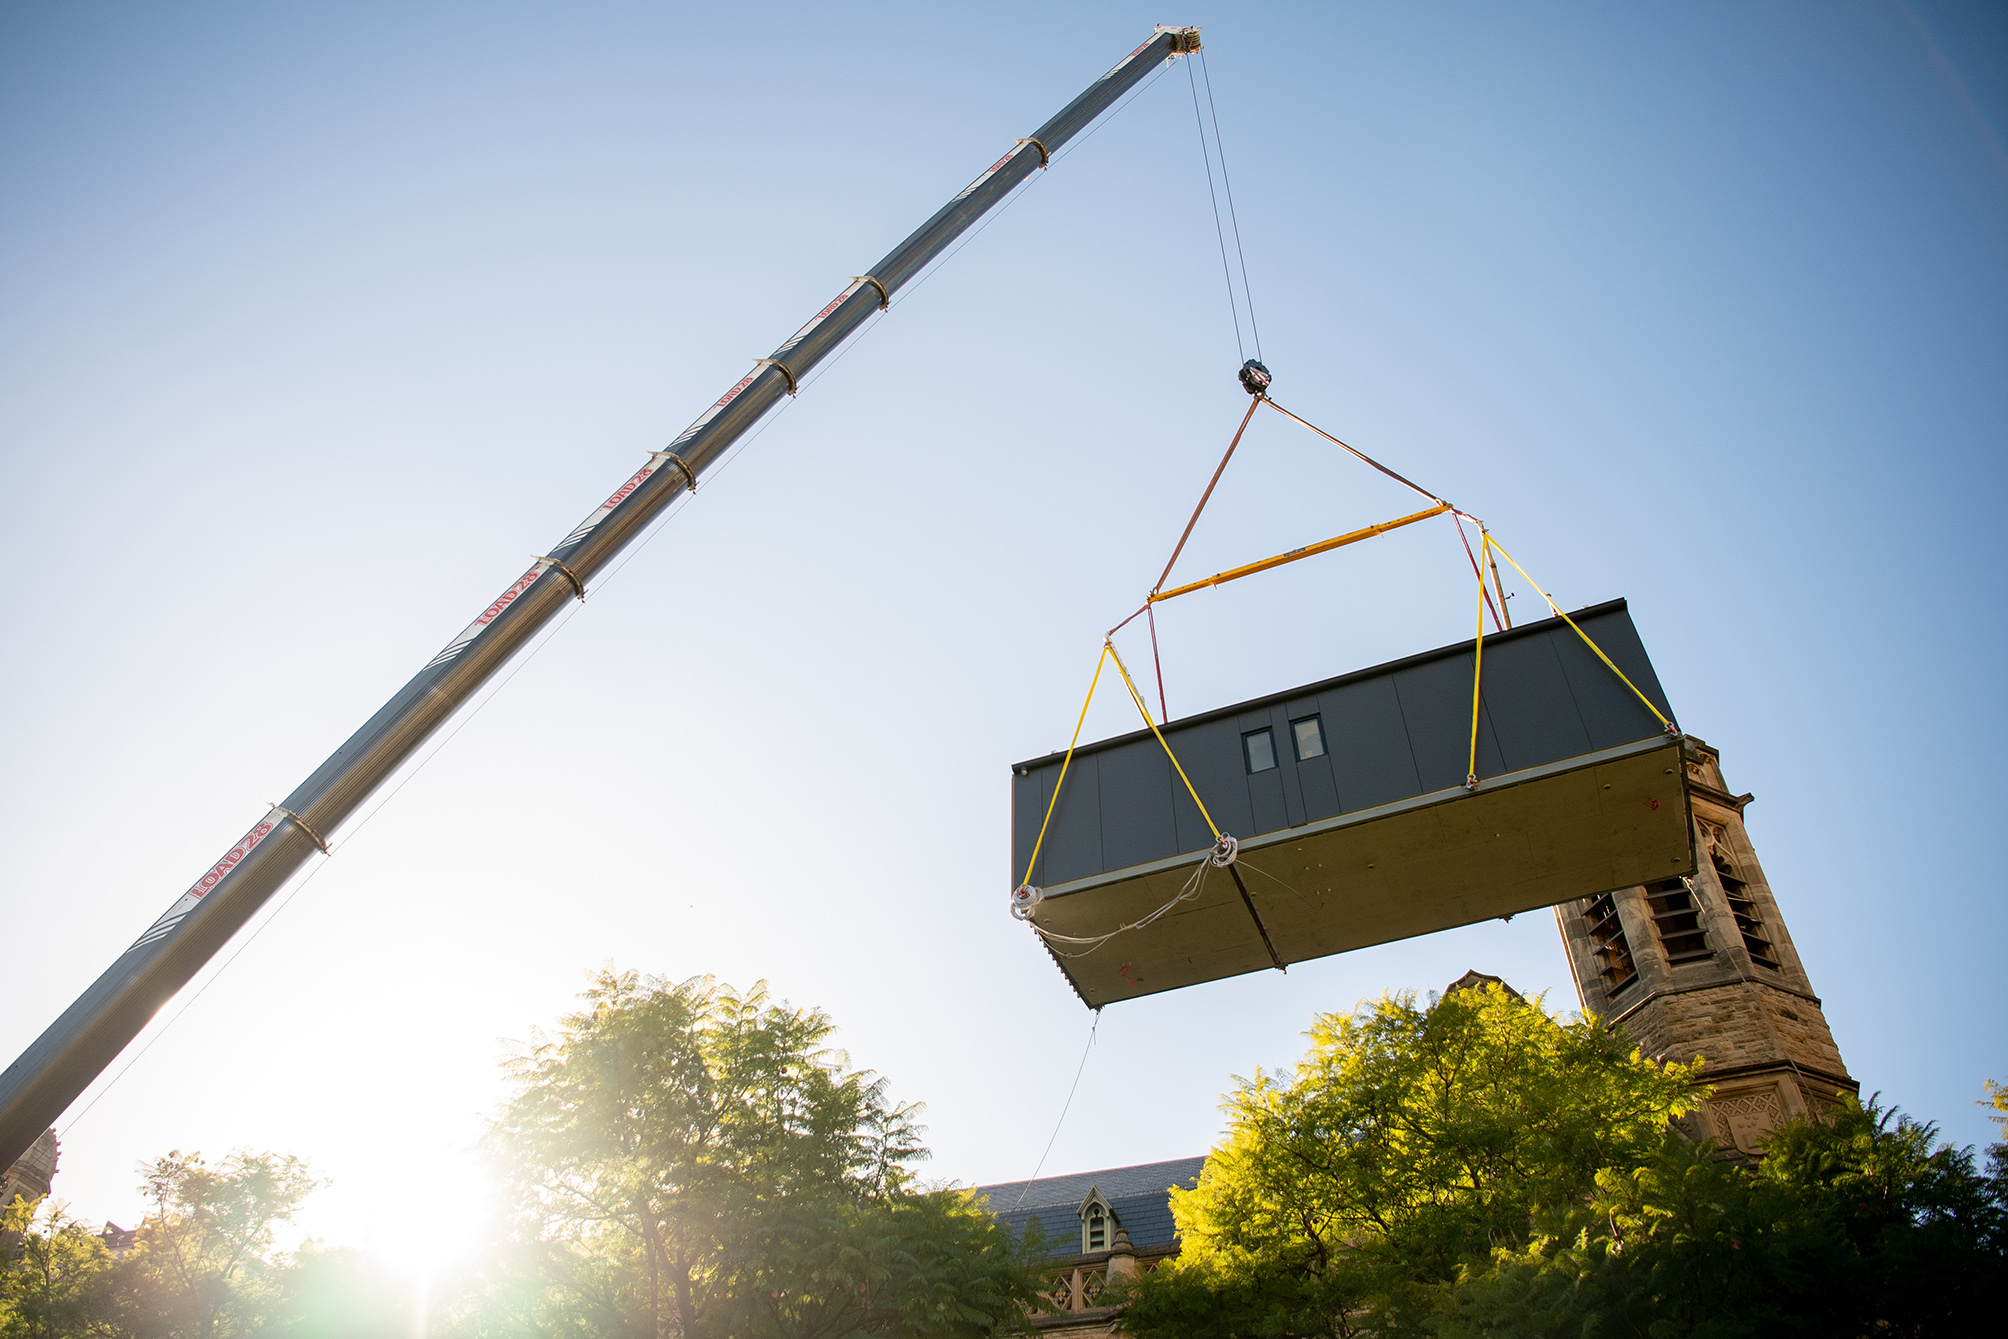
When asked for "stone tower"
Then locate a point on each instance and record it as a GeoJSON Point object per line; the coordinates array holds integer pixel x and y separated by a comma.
{"type": "Point", "coordinates": [32, 1173]}
{"type": "Point", "coordinates": [1705, 967]}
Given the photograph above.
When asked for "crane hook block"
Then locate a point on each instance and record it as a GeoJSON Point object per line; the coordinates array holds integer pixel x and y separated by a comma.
{"type": "Point", "coordinates": [1254, 377]}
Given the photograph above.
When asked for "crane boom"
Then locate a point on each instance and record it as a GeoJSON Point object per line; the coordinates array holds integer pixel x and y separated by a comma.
{"type": "Point", "coordinates": [89, 1035]}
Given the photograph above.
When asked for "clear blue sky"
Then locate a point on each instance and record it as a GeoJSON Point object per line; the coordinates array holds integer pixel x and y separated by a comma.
{"type": "Point", "coordinates": [315, 322]}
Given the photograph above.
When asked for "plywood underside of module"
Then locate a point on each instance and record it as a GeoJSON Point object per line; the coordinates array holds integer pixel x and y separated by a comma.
{"type": "Point", "coordinates": [1519, 842]}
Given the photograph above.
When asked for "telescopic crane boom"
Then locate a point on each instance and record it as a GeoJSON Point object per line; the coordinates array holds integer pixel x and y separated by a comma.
{"type": "Point", "coordinates": [78, 1046]}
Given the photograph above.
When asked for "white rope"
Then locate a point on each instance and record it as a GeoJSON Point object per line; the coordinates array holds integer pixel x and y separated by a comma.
{"type": "Point", "coordinates": [1194, 886]}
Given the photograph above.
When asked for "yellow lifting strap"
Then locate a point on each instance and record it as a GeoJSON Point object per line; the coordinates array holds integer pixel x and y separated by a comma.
{"type": "Point", "coordinates": [1658, 715]}
{"type": "Point", "coordinates": [1067, 762]}
{"type": "Point", "coordinates": [1486, 546]}
{"type": "Point", "coordinates": [1309, 550]}
{"type": "Point", "coordinates": [1478, 656]}
{"type": "Point", "coordinates": [1108, 654]}
{"type": "Point", "coordinates": [1144, 711]}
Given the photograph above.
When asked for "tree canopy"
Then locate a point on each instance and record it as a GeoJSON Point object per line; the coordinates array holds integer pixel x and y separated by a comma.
{"type": "Point", "coordinates": [1475, 1167]}
{"type": "Point", "coordinates": [691, 1160]}
{"type": "Point", "coordinates": [202, 1265]}
{"type": "Point", "coordinates": [685, 1160]}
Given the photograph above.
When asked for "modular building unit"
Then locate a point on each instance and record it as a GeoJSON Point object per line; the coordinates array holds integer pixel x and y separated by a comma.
{"type": "Point", "coordinates": [1354, 822]}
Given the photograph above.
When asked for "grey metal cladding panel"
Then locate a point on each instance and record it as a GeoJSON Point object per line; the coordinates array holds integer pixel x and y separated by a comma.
{"type": "Point", "coordinates": [1616, 634]}
{"type": "Point", "coordinates": [1371, 759]}
{"type": "Point", "coordinates": [1436, 707]}
{"type": "Point", "coordinates": [1265, 789]}
{"type": "Point", "coordinates": [1138, 822]}
{"type": "Point", "coordinates": [1610, 713]}
{"type": "Point", "coordinates": [1211, 756]}
{"type": "Point", "coordinates": [1073, 848]}
{"type": "Point", "coordinates": [1286, 765]}
{"type": "Point", "coordinates": [1533, 710]}
{"type": "Point", "coordinates": [1028, 809]}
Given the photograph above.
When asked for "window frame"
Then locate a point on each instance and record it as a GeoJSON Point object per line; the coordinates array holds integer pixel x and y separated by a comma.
{"type": "Point", "coordinates": [1267, 733]}
{"type": "Point", "coordinates": [1316, 718]}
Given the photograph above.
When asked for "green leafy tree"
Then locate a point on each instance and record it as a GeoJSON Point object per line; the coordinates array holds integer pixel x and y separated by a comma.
{"type": "Point", "coordinates": [1997, 1100]}
{"type": "Point", "coordinates": [1858, 1224]}
{"type": "Point", "coordinates": [1408, 1141]}
{"type": "Point", "coordinates": [1478, 1170]}
{"type": "Point", "coordinates": [56, 1276]}
{"type": "Point", "coordinates": [202, 1266]}
{"type": "Point", "coordinates": [694, 1161]}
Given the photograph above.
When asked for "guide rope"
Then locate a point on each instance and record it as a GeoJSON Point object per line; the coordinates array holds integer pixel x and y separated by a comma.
{"type": "Point", "coordinates": [1194, 885]}
{"type": "Point", "coordinates": [1066, 1106]}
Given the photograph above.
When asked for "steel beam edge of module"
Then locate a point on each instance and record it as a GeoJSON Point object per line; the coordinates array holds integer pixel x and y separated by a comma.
{"type": "Point", "coordinates": [83, 1041]}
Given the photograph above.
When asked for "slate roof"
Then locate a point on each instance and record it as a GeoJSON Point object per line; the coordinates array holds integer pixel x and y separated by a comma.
{"type": "Point", "coordinates": [1139, 1196]}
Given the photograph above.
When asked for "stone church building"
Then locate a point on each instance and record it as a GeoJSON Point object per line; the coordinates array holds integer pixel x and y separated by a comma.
{"type": "Point", "coordinates": [1687, 967]}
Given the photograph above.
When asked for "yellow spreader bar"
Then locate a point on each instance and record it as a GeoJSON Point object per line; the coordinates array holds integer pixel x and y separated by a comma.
{"type": "Point", "coordinates": [1235, 573]}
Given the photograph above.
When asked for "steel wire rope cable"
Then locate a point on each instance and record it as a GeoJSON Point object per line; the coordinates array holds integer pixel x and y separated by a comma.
{"type": "Point", "coordinates": [1233, 307]}
{"type": "Point", "coordinates": [738, 448]}
{"type": "Point", "coordinates": [1220, 147]}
